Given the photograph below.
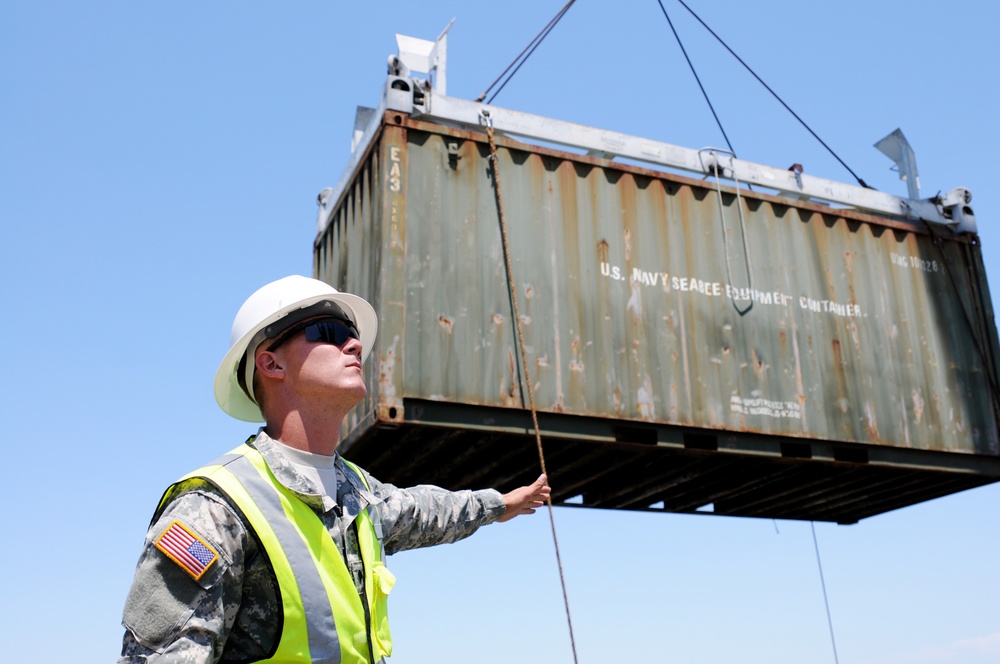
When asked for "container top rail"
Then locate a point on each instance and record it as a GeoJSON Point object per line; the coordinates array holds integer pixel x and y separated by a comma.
{"type": "Point", "coordinates": [425, 98]}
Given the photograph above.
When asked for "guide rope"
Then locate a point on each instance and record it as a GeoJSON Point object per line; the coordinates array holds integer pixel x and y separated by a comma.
{"type": "Point", "coordinates": [512, 291]}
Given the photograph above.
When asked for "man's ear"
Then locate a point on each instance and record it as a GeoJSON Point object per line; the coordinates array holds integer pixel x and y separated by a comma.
{"type": "Point", "coordinates": [269, 365]}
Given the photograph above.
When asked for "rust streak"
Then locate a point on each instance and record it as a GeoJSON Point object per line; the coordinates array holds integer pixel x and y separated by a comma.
{"type": "Point", "coordinates": [576, 364]}
{"type": "Point", "coordinates": [387, 397]}
{"type": "Point", "coordinates": [511, 396]}
{"type": "Point", "coordinates": [602, 251]}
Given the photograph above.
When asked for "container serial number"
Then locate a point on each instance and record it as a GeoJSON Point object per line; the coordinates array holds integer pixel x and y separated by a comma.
{"type": "Point", "coordinates": [914, 262]}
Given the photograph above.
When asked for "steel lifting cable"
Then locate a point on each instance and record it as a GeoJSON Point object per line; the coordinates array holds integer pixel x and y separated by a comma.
{"type": "Point", "coordinates": [521, 57]}
{"type": "Point", "coordinates": [773, 93]}
{"type": "Point", "coordinates": [717, 170]}
{"type": "Point", "coordinates": [697, 78]}
{"type": "Point", "coordinates": [718, 174]}
{"type": "Point", "coordinates": [512, 291]}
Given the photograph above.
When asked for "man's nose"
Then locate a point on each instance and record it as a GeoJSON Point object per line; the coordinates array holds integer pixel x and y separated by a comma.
{"type": "Point", "coordinates": [352, 346]}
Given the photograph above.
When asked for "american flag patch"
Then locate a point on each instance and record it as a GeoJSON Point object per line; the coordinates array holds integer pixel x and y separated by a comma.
{"type": "Point", "coordinates": [186, 549]}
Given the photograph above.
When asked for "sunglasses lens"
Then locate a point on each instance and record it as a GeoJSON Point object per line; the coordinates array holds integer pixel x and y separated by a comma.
{"type": "Point", "coordinates": [331, 332]}
{"type": "Point", "coordinates": [328, 330]}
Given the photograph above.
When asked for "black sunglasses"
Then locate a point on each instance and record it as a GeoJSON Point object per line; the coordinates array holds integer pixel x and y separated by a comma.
{"type": "Point", "coordinates": [328, 330]}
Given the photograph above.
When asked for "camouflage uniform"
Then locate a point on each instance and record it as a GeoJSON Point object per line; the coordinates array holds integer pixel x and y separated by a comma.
{"type": "Point", "coordinates": [231, 613]}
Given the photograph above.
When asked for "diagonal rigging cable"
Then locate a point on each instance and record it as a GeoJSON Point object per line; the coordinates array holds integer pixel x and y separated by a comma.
{"type": "Point", "coordinates": [819, 562]}
{"type": "Point", "coordinates": [774, 94]}
{"type": "Point", "coordinates": [718, 173]}
{"type": "Point", "coordinates": [697, 78]}
{"type": "Point", "coordinates": [523, 56]}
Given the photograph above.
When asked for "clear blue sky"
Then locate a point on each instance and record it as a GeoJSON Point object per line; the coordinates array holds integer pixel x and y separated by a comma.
{"type": "Point", "coordinates": [162, 160]}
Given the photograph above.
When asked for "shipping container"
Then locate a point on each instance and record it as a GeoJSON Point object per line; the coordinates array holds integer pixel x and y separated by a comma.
{"type": "Point", "coordinates": [694, 344]}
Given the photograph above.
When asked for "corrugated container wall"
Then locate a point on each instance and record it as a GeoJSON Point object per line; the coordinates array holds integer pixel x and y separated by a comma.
{"type": "Point", "coordinates": [692, 346]}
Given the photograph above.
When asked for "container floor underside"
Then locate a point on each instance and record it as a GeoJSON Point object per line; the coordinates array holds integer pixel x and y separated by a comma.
{"type": "Point", "coordinates": [613, 464]}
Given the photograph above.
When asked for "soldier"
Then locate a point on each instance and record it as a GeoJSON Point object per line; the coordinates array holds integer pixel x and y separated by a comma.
{"type": "Point", "coordinates": [276, 551]}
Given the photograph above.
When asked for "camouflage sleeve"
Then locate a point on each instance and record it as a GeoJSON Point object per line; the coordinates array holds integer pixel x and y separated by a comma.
{"type": "Point", "coordinates": [175, 610]}
{"type": "Point", "coordinates": [427, 515]}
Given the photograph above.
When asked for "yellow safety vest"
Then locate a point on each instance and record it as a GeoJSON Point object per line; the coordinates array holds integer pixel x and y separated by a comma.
{"type": "Point", "coordinates": [324, 617]}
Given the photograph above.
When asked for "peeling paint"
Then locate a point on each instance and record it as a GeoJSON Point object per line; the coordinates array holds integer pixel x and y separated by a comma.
{"type": "Point", "coordinates": [388, 400]}
{"type": "Point", "coordinates": [901, 353]}
{"type": "Point", "coordinates": [918, 405]}
{"type": "Point", "coordinates": [904, 423]}
{"type": "Point", "coordinates": [871, 423]}
{"type": "Point", "coordinates": [758, 365]}
{"type": "Point", "coordinates": [715, 415]}
{"type": "Point", "coordinates": [634, 303]}
{"type": "Point", "coordinates": [644, 401]}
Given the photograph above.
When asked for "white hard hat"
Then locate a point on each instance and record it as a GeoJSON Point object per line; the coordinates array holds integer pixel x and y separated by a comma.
{"type": "Point", "coordinates": [275, 307]}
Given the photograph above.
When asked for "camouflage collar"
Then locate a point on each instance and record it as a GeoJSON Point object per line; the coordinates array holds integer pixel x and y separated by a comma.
{"type": "Point", "coordinates": [287, 475]}
{"type": "Point", "coordinates": [352, 494]}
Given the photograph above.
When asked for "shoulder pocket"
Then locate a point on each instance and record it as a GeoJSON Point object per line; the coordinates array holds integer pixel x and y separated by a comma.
{"type": "Point", "coordinates": [179, 573]}
{"type": "Point", "coordinates": [164, 597]}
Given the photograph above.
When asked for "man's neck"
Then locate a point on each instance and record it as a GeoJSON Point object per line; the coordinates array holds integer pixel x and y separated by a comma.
{"type": "Point", "coordinates": [319, 434]}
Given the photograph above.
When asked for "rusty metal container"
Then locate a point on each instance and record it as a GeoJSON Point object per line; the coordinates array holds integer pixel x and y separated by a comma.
{"type": "Point", "coordinates": [693, 346]}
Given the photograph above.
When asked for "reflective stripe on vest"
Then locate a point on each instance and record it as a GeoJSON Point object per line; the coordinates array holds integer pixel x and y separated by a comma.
{"type": "Point", "coordinates": [324, 618]}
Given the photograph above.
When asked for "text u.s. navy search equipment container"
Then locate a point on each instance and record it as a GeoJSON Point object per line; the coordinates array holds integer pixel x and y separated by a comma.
{"type": "Point", "coordinates": [692, 344]}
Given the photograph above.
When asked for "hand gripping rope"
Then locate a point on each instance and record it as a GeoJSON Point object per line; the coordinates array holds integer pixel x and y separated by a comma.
{"type": "Point", "coordinates": [512, 290]}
